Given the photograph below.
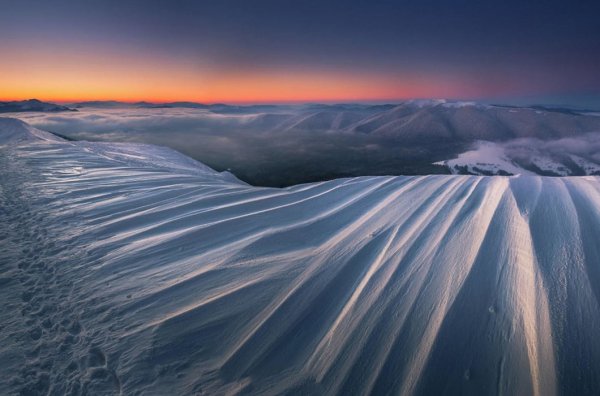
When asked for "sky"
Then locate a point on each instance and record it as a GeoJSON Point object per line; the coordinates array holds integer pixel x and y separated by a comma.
{"type": "Point", "coordinates": [300, 51]}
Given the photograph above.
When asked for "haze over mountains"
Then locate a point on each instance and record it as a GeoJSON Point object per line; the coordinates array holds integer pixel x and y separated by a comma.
{"type": "Point", "coordinates": [31, 105]}
{"type": "Point", "coordinates": [132, 269]}
{"type": "Point", "coordinates": [411, 120]}
{"type": "Point", "coordinates": [280, 145]}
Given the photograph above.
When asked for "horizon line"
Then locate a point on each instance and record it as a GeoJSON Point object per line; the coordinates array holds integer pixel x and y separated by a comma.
{"type": "Point", "coordinates": [533, 101]}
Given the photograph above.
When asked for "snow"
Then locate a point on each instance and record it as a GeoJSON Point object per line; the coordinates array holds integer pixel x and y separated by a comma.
{"type": "Point", "coordinates": [31, 105]}
{"type": "Point", "coordinates": [426, 102]}
{"type": "Point", "coordinates": [529, 157]}
{"type": "Point", "coordinates": [590, 168]}
{"type": "Point", "coordinates": [487, 158]}
{"type": "Point", "coordinates": [549, 165]}
{"type": "Point", "coordinates": [15, 131]}
{"type": "Point", "coordinates": [421, 103]}
{"type": "Point", "coordinates": [131, 269]}
{"type": "Point", "coordinates": [459, 104]}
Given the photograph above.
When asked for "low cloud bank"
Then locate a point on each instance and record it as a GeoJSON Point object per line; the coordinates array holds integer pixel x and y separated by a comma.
{"type": "Point", "coordinates": [290, 145]}
{"type": "Point", "coordinates": [258, 148]}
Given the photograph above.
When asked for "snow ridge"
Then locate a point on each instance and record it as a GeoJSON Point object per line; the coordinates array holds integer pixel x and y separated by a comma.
{"type": "Point", "coordinates": [133, 274]}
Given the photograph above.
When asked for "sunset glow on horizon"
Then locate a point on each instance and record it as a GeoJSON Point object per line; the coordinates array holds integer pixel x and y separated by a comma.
{"type": "Point", "coordinates": [258, 88]}
{"type": "Point", "coordinates": [74, 74]}
{"type": "Point", "coordinates": [267, 52]}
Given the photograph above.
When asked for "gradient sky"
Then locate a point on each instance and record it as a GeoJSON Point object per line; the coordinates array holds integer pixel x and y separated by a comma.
{"type": "Point", "coordinates": [277, 51]}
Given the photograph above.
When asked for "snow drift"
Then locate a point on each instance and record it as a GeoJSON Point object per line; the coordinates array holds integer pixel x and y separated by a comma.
{"type": "Point", "coordinates": [131, 269]}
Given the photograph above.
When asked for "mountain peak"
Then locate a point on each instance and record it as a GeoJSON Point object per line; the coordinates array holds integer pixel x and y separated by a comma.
{"type": "Point", "coordinates": [31, 105]}
{"type": "Point", "coordinates": [13, 131]}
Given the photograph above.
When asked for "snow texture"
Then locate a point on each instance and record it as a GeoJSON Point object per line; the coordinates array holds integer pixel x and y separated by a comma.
{"type": "Point", "coordinates": [576, 156]}
{"type": "Point", "coordinates": [487, 158]}
{"type": "Point", "coordinates": [130, 269]}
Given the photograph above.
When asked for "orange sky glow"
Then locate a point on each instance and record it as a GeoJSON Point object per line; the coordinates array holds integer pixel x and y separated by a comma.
{"type": "Point", "coordinates": [292, 52]}
{"type": "Point", "coordinates": [78, 74]}
{"type": "Point", "coordinates": [233, 88]}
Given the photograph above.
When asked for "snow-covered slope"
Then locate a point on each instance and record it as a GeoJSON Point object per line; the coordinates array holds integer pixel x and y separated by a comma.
{"type": "Point", "coordinates": [31, 105]}
{"type": "Point", "coordinates": [577, 156]}
{"type": "Point", "coordinates": [427, 121]}
{"type": "Point", "coordinates": [413, 121]}
{"type": "Point", "coordinates": [487, 158]}
{"type": "Point", "coordinates": [418, 121]}
{"type": "Point", "coordinates": [126, 270]}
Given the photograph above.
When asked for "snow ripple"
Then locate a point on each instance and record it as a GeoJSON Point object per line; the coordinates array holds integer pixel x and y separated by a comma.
{"type": "Point", "coordinates": [166, 277]}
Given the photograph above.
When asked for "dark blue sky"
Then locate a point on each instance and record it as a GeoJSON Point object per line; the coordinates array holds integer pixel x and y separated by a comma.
{"type": "Point", "coordinates": [468, 49]}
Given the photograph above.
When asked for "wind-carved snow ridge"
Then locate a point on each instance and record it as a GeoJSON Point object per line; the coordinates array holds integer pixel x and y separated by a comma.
{"type": "Point", "coordinates": [131, 269]}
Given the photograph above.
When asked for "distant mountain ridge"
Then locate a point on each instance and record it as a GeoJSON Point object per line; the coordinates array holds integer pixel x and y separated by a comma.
{"type": "Point", "coordinates": [410, 121]}
{"type": "Point", "coordinates": [280, 145]}
{"type": "Point", "coordinates": [413, 120]}
{"type": "Point", "coordinates": [31, 105]}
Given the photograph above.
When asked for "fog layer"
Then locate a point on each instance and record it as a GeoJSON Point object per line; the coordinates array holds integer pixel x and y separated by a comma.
{"type": "Point", "coordinates": [255, 147]}
{"type": "Point", "coordinates": [287, 145]}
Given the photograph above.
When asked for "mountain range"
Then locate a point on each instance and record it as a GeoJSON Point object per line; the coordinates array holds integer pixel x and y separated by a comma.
{"type": "Point", "coordinates": [412, 137]}
{"type": "Point", "coordinates": [31, 105]}
{"type": "Point", "coordinates": [416, 120]}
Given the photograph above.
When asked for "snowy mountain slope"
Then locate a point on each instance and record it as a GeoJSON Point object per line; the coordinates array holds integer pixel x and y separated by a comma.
{"type": "Point", "coordinates": [487, 158]}
{"type": "Point", "coordinates": [577, 156]}
{"type": "Point", "coordinates": [31, 105]}
{"type": "Point", "coordinates": [411, 121]}
{"type": "Point", "coordinates": [426, 120]}
{"type": "Point", "coordinates": [431, 120]}
{"type": "Point", "coordinates": [15, 131]}
{"type": "Point", "coordinates": [130, 275]}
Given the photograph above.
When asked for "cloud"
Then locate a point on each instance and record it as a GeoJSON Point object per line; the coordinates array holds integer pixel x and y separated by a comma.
{"type": "Point", "coordinates": [259, 148]}
{"type": "Point", "coordinates": [585, 145]}
{"type": "Point", "coordinates": [270, 149]}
